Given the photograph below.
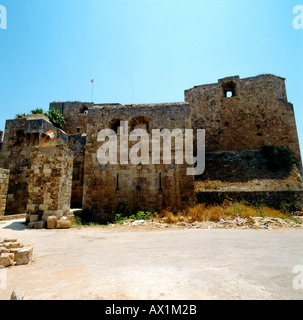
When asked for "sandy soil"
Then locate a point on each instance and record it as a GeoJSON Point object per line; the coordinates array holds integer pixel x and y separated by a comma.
{"type": "Point", "coordinates": [166, 263]}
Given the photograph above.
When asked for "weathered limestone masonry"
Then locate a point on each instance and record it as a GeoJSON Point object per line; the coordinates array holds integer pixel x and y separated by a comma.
{"type": "Point", "coordinates": [4, 178]}
{"type": "Point", "coordinates": [244, 114]}
{"type": "Point", "coordinates": [20, 136]}
{"type": "Point", "coordinates": [75, 115]}
{"type": "Point", "coordinates": [77, 145]}
{"type": "Point", "coordinates": [127, 188]}
{"type": "Point", "coordinates": [50, 181]}
{"type": "Point", "coordinates": [239, 116]}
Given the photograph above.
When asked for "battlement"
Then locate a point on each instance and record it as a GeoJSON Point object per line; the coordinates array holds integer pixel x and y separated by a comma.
{"type": "Point", "coordinates": [262, 86]}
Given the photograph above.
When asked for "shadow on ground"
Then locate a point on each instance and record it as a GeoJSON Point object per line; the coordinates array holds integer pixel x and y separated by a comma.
{"type": "Point", "coordinates": [15, 225]}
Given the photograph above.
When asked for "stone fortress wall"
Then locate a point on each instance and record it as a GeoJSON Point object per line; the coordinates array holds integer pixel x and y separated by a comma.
{"type": "Point", "coordinates": [112, 188]}
{"type": "Point", "coordinates": [239, 116]}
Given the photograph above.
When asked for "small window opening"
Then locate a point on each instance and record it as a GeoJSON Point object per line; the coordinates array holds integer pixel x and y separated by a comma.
{"type": "Point", "coordinates": [229, 89]}
{"type": "Point", "coordinates": [84, 110]}
{"type": "Point", "coordinates": [117, 189]}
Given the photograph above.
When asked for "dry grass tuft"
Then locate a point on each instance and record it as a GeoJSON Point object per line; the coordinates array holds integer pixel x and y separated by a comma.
{"type": "Point", "coordinates": [228, 210]}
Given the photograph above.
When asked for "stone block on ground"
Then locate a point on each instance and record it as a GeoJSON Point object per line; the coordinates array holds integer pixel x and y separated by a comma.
{"type": "Point", "coordinates": [6, 259]}
{"type": "Point", "coordinates": [22, 256]}
{"type": "Point", "coordinates": [51, 222]}
{"type": "Point", "coordinates": [13, 245]}
{"type": "Point", "coordinates": [9, 240]}
{"type": "Point", "coordinates": [33, 218]}
{"type": "Point", "coordinates": [17, 294]}
{"type": "Point", "coordinates": [31, 251]}
{"type": "Point", "coordinates": [63, 224]}
{"type": "Point", "coordinates": [4, 250]}
{"type": "Point", "coordinates": [40, 224]}
{"type": "Point", "coordinates": [31, 225]}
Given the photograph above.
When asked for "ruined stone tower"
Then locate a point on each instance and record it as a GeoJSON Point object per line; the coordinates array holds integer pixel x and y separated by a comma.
{"type": "Point", "coordinates": [244, 114]}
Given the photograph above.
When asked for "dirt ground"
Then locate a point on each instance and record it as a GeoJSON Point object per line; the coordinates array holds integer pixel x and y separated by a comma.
{"type": "Point", "coordinates": [161, 263]}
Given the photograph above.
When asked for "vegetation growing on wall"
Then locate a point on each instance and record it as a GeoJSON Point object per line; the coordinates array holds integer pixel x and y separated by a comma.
{"type": "Point", "coordinates": [54, 116]}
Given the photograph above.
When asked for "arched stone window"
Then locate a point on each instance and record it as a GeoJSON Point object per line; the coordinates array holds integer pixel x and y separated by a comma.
{"type": "Point", "coordinates": [115, 125]}
{"type": "Point", "coordinates": [140, 123]}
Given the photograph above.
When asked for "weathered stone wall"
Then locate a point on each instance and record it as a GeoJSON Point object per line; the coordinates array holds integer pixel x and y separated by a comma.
{"type": "Point", "coordinates": [20, 136]}
{"type": "Point", "coordinates": [4, 178]}
{"type": "Point", "coordinates": [246, 171]}
{"type": "Point", "coordinates": [75, 115]}
{"type": "Point", "coordinates": [270, 198]}
{"type": "Point", "coordinates": [112, 188]}
{"type": "Point", "coordinates": [50, 181]}
{"type": "Point", "coordinates": [257, 113]}
{"type": "Point", "coordinates": [77, 145]}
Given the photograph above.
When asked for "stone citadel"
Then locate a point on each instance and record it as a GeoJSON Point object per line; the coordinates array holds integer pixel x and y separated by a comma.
{"type": "Point", "coordinates": [240, 116]}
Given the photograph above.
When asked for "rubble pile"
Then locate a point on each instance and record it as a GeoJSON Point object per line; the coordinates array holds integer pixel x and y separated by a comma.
{"type": "Point", "coordinates": [49, 222]}
{"type": "Point", "coordinates": [13, 253]}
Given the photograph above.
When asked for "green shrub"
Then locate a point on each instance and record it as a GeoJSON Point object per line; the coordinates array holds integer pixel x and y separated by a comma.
{"type": "Point", "coordinates": [141, 215]}
{"type": "Point", "coordinates": [21, 115]}
{"type": "Point", "coordinates": [56, 118]}
{"type": "Point", "coordinates": [290, 207]}
{"type": "Point", "coordinates": [38, 111]}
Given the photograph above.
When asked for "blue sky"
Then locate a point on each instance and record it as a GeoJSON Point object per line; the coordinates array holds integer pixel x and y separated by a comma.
{"type": "Point", "coordinates": [142, 51]}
